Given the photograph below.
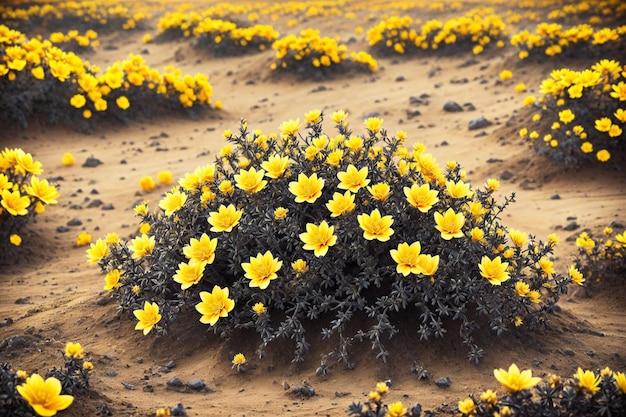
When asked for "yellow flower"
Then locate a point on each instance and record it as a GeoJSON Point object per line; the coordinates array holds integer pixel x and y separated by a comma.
{"type": "Point", "coordinates": [341, 204]}
{"type": "Point", "coordinates": [382, 387]}
{"type": "Point", "coordinates": [280, 213]}
{"type": "Point", "coordinates": [450, 224]}
{"type": "Point", "coordinates": [306, 188]}
{"type": "Point", "coordinates": [225, 219]}
{"type": "Point", "coordinates": [374, 396]}
{"type": "Point", "coordinates": [353, 179]}
{"type": "Point", "coordinates": [44, 396]}
{"type": "Point", "coordinates": [144, 228]}
{"type": "Point", "coordinates": [467, 406]}
{"type": "Point", "coordinates": [522, 288]}
{"type": "Point", "coordinates": [14, 203]}
{"type": "Point", "coordinates": [299, 266]}
{"type": "Point", "coordinates": [380, 191]}
{"type": "Point", "coordinates": [603, 124]}
{"type": "Point", "coordinates": [226, 187]}
{"type": "Point", "coordinates": [189, 274]}
{"type": "Point", "coordinates": [275, 166]}
{"type": "Point", "coordinates": [289, 128]}
{"type": "Point", "coordinates": [576, 275]}
{"type": "Point", "coordinates": [78, 101]}
{"type": "Point", "coordinates": [147, 183]}
{"type": "Point", "coordinates": [396, 410]}
{"type": "Point", "coordinates": [122, 102]}
{"type": "Point", "coordinates": [251, 180]}
{"type": "Point", "coordinates": [373, 124]}
{"type": "Point", "coordinates": [172, 202]}
{"type": "Point", "coordinates": [494, 270]}
{"type": "Point", "coordinates": [586, 147]}
{"type": "Point", "coordinates": [406, 257]}
{"type": "Point", "coordinates": [83, 239]}
{"type": "Point", "coordinates": [259, 308]}
{"type": "Point", "coordinates": [546, 265]}
{"type": "Point", "coordinates": [615, 131]}
{"type": "Point", "coordinates": [620, 380]}
{"type": "Point", "coordinates": [492, 184]}
{"type": "Point", "coordinates": [587, 380]}
{"type": "Point", "coordinates": [73, 350]}
{"type": "Point", "coordinates": [514, 380]}
{"type": "Point", "coordinates": [88, 366]}
{"type": "Point", "coordinates": [112, 280]}
{"type": "Point", "coordinates": [202, 249]}
{"type": "Point", "coordinates": [458, 189]}
{"type": "Point", "coordinates": [477, 234]}
{"type": "Point", "coordinates": [165, 177]}
{"type": "Point", "coordinates": [421, 197]}
{"type": "Point", "coordinates": [142, 246]}
{"type": "Point", "coordinates": [529, 101]}
{"type": "Point", "coordinates": [214, 305]}
{"type": "Point", "coordinates": [239, 359]}
{"type": "Point", "coordinates": [42, 190]}
{"type": "Point", "coordinates": [506, 75]}
{"type": "Point", "coordinates": [67, 159]}
{"type": "Point", "coordinates": [15, 239]}
{"type": "Point", "coordinates": [520, 88]}
{"type": "Point", "coordinates": [318, 238]}
{"type": "Point", "coordinates": [339, 117]}
{"type": "Point", "coordinates": [313, 117]}
{"type": "Point", "coordinates": [376, 226]}
{"type": "Point", "coordinates": [262, 269]}
{"type": "Point", "coordinates": [428, 264]}
{"type": "Point", "coordinates": [603, 155]}
{"type": "Point", "coordinates": [97, 251]}
{"type": "Point", "coordinates": [566, 116]}
{"type": "Point", "coordinates": [489, 396]}
{"type": "Point", "coordinates": [148, 317]}
{"type": "Point", "coordinates": [518, 238]}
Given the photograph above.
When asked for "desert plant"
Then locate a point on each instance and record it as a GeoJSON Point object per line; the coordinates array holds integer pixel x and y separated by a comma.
{"type": "Point", "coordinates": [288, 228]}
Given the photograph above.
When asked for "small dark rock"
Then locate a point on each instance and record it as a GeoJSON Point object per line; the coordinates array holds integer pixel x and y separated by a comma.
{"type": "Point", "coordinates": [164, 135]}
{"type": "Point", "coordinates": [95, 203]}
{"type": "Point", "coordinates": [92, 162]}
{"type": "Point", "coordinates": [23, 300]}
{"type": "Point", "coordinates": [128, 386]}
{"type": "Point", "coordinates": [108, 207]}
{"type": "Point", "coordinates": [452, 106]}
{"type": "Point", "coordinates": [170, 365]}
{"type": "Point", "coordinates": [506, 175]}
{"type": "Point", "coordinates": [400, 79]}
{"type": "Point", "coordinates": [175, 382]}
{"type": "Point", "coordinates": [75, 222]}
{"type": "Point", "coordinates": [571, 226]}
{"type": "Point", "coordinates": [62, 229]}
{"type": "Point", "coordinates": [494, 160]}
{"type": "Point", "coordinates": [76, 207]}
{"type": "Point", "coordinates": [16, 342]}
{"type": "Point", "coordinates": [479, 123]}
{"type": "Point", "coordinates": [568, 352]}
{"type": "Point", "coordinates": [102, 301]}
{"type": "Point", "coordinates": [6, 322]}
{"type": "Point", "coordinates": [410, 114]}
{"type": "Point", "coordinates": [196, 384]}
{"type": "Point", "coordinates": [555, 197]}
{"type": "Point", "coordinates": [443, 382]}
{"type": "Point", "coordinates": [469, 106]}
{"type": "Point", "coordinates": [148, 388]}
{"type": "Point", "coordinates": [94, 192]}
{"type": "Point", "coordinates": [178, 410]}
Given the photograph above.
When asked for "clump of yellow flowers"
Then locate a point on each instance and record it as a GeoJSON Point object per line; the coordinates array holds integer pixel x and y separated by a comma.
{"type": "Point", "coordinates": [282, 227]}
{"type": "Point", "coordinates": [586, 393]}
{"type": "Point", "coordinates": [600, 256]}
{"type": "Point", "coordinates": [24, 194]}
{"type": "Point", "coordinates": [581, 116]}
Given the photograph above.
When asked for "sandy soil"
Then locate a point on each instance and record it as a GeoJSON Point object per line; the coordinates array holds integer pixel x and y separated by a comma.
{"type": "Point", "coordinates": [51, 293]}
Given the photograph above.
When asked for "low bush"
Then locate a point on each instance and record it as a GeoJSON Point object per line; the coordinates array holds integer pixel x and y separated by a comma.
{"type": "Point", "coordinates": [23, 195]}
{"type": "Point", "coordinates": [581, 115]}
{"type": "Point", "coordinates": [601, 257]}
{"type": "Point", "coordinates": [22, 395]}
{"type": "Point", "coordinates": [336, 229]}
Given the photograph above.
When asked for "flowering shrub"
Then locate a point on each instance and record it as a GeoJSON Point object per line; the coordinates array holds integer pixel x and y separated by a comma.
{"type": "Point", "coordinates": [74, 41]}
{"type": "Point", "coordinates": [586, 394]}
{"type": "Point", "coordinates": [309, 53]}
{"type": "Point", "coordinates": [397, 35]}
{"type": "Point", "coordinates": [23, 195]}
{"type": "Point", "coordinates": [226, 38]}
{"type": "Point", "coordinates": [601, 257]}
{"type": "Point", "coordinates": [552, 39]}
{"type": "Point", "coordinates": [375, 407]}
{"type": "Point", "coordinates": [581, 114]}
{"type": "Point", "coordinates": [39, 78]}
{"type": "Point", "coordinates": [288, 228]}
{"type": "Point", "coordinates": [22, 395]}
{"type": "Point", "coordinates": [101, 14]}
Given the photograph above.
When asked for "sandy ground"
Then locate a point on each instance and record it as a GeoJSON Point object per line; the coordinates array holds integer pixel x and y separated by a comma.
{"type": "Point", "coordinates": [50, 293]}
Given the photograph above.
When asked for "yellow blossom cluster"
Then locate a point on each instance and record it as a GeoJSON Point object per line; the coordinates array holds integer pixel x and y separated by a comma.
{"type": "Point", "coordinates": [552, 39]}
{"type": "Point", "coordinates": [23, 194]}
{"type": "Point", "coordinates": [600, 257]}
{"type": "Point", "coordinates": [227, 38]}
{"type": "Point", "coordinates": [582, 113]}
{"type": "Point", "coordinates": [81, 90]}
{"type": "Point", "coordinates": [95, 13]}
{"type": "Point", "coordinates": [474, 30]}
{"type": "Point", "coordinates": [73, 40]}
{"type": "Point", "coordinates": [310, 51]}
